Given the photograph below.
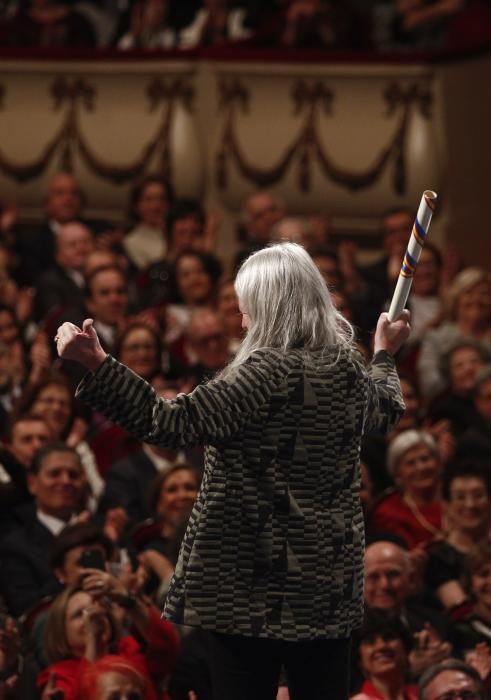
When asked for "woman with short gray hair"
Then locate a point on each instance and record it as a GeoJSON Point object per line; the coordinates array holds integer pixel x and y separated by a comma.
{"type": "Point", "coordinates": [272, 561]}
{"type": "Point", "coordinates": [413, 510]}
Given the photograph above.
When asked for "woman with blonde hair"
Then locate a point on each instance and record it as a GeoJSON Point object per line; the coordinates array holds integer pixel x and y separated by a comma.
{"type": "Point", "coordinates": [271, 564]}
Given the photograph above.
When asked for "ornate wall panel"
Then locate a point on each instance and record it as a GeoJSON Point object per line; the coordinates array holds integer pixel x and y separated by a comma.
{"type": "Point", "coordinates": [108, 123]}
{"type": "Point", "coordinates": [353, 139]}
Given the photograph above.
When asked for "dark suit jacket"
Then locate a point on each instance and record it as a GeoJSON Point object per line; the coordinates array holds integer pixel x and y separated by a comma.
{"type": "Point", "coordinates": [35, 251]}
{"type": "Point", "coordinates": [56, 290]}
{"type": "Point", "coordinates": [127, 485]}
{"type": "Point", "coordinates": [25, 573]}
{"type": "Point", "coordinates": [475, 443]}
{"type": "Point", "coordinates": [13, 494]}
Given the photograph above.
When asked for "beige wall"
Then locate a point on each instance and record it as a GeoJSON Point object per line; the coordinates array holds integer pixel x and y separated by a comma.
{"type": "Point", "coordinates": [446, 148]}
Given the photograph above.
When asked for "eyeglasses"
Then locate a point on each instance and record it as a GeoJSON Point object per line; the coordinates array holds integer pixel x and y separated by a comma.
{"type": "Point", "coordinates": [459, 695]}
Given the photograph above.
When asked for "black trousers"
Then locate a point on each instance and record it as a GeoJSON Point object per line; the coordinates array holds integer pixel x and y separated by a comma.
{"type": "Point", "coordinates": [245, 668]}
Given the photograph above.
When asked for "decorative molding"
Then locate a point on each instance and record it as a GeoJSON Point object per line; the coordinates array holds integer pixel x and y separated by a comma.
{"type": "Point", "coordinates": [311, 99]}
{"type": "Point", "coordinates": [74, 96]}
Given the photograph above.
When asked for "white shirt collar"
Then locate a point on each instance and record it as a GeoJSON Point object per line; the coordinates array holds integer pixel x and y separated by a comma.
{"type": "Point", "coordinates": [54, 525]}
{"type": "Point", "coordinates": [162, 464]}
{"type": "Point", "coordinates": [108, 333]}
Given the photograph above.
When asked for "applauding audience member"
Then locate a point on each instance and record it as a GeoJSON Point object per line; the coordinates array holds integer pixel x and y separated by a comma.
{"type": "Point", "coordinates": [414, 510]}
{"type": "Point", "coordinates": [57, 483]}
{"type": "Point", "coordinates": [466, 493]}
{"type": "Point", "coordinates": [467, 314]}
{"type": "Point", "coordinates": [383, 645]}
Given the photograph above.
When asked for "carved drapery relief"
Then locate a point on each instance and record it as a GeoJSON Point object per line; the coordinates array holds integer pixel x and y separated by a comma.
{"type": "Point", "coordinates": [310, 100]}
{"type": "Point", "coordinates": [73, 96]}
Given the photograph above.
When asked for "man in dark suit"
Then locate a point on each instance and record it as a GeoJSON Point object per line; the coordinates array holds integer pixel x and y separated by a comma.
{"type": "Point", "coordinates": [380, 277]}
{"type": "Point", "coordinates": [34, 247]}
{"type": "Point", "coordinates": [106, 300]}
{"type": "Point", "coordinates": [63, 284]}
{"type": "Point", "coordinates": [58, 484]}
{"type": "Point", "coordinates": [26, 435]}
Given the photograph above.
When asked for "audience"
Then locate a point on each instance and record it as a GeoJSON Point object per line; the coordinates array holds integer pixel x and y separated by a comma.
{"type": "Point", "coordinates": [35, 245]}
{"type": "Point", "coordinates": [102, 515]}
{"type": "Point", "coordinates": [170, 501]}
{"type": "Point", "coordinates": [58, 486]}
{"type": "Point", "coordinates": [50, 24]}
{"type": "Point", "coordinates": [425, 301]}
{"type": "Point", "coordinates": [112, 677]}
{"type": "Point", "coordinates": [140, 348]}
{"type": "Point", "coordinates": [390, 584]}
{"type": "Point", "coordinates": [26, 435]}
{"type": "Point", "coordinates": [460, 367]}
{"type": "Point", "coordinates": [466, 493]}
{"type": "Point", "coordinates": [53, 398]}
{"type": "Point", "coordinates": [261, 211]}
{"type": "Point", "coordinates": [187, 229]}
{"type": "Point", "coordinates": [206, 348]}
{"type": "Point", "coordinates": [467, 314]}
{"type": "Point", "coordinates": [195, 278]}
{"type": "Point", "coordinates": [451, 679]}
{"type": "Point", "coordinates": [84, 626]}
{"type": "Point", "coordinates": [63, 284]}
{"type": "Point", "coordinates": [150, 202]}
{"type": "Point", "coordinates": [475, 627]}
{"type": "Point", "coordinates": [476, 440]}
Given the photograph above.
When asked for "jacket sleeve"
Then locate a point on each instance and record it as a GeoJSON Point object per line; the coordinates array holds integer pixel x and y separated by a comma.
{"type": "Point", "coordinates": [211, 414]}
{"type": "Point", "coordinates": [385, 403]}
{"type": "Point", "coordinates": [21, 580]}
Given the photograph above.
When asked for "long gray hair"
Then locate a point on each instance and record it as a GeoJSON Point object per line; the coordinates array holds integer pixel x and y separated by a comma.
{"type": "Point", "coordinates": [288, 303]}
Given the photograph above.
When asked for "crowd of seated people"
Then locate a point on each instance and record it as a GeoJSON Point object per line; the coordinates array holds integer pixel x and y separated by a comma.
{"type": "Point", "coordinates": [92, 519]}
{"type": "Point", "coordinates": [189, 24]}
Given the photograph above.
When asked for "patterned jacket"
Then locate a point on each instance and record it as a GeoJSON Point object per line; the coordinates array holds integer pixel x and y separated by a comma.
{"type": "Point", "coordinates": [274, 545]}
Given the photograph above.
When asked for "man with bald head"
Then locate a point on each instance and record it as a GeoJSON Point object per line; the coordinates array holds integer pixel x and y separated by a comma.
{"type": "Point", "coordinates": [388, 576]}
{"type": "Point", "coordinates": [389, 585]}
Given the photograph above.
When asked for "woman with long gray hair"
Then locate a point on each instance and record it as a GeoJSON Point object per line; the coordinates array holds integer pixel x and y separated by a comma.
{"type": "Point", "coordinates": [272, 560]}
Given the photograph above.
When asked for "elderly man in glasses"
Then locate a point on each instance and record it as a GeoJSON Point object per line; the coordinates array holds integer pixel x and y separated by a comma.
{"type": "Point", "coordinates": [451, 680]}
